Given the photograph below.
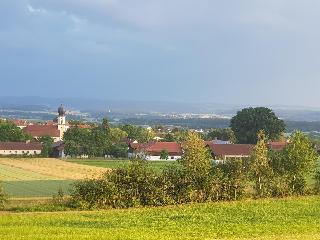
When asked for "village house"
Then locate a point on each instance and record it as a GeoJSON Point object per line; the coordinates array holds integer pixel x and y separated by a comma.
{"type": "Point", "coordinates": [227, 151]}
{"type": "Point", "coordinates": [152, 150]}
{"type": "Point", "coordinates": [20, 148]}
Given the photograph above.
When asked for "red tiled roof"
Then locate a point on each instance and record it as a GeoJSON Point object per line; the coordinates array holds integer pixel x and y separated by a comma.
{"type": "Point", "coordinates": [231, 149]}
{"type": "Point", "coordinates": [20, 146]}
{"type": "Point", "coordinates": [155, 148]}
{"type": "Point", "coordinates": [277, 146]}
{"type": "Point", "coordinates": [19, 122]}
{"type": "Point", "coordinates": [42, 130]}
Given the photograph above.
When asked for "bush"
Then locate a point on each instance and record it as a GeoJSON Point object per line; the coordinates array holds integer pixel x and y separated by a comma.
{"type": "Point", "coordinates": [233, 179]}
{"type": "Point", "coordinates": [92, 193]}
{"type": "Point", "coordinates": [178, 185]}
{"type": "Point", "coordinates": [135, 185]}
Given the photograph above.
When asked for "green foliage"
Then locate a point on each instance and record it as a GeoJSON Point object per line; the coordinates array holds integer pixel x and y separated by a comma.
{"type": "Point", "coordinates": [76, 141]}
{"type": "Point", "coordinates": [47, 142]}
{"type": "Point", "coordinates": [9, 132]}
{"type": "Point", "coordinates": [224, 134]}
{"type": "Point", "coordinates": [249, 121]}
{"type": "Point", "coordinates": [164, 154]}
{"type": "Point", "coordinates": [139, 134]}
{"type": "Point", "coordinates": [231, 179]}
{"type": "Point", "coordinates": [126, 187]}
{"type": "Point", "coordinates": [98, 141]}
{"type": "Point", "coordinates": [119, 150]}
{"type": "Point", "coordinates": [300, 159]}
{"type": "Point", "coordinates": [196, 158]}
{"type": "Point", "coordinates": [317, 182]}
{"type": "Point", "coordinates": [260, 169]}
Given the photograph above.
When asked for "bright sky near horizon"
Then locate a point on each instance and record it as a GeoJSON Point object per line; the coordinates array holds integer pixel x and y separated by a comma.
{"type": "Point", "coordinates": [242, 52]}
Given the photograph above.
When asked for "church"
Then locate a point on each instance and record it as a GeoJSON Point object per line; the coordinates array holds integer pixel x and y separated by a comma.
{"type": "Point", "coordinates": [54, 129]}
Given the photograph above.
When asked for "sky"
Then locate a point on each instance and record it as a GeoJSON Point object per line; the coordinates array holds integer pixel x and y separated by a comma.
{"type": "Point", "coordinates": [232, 51]}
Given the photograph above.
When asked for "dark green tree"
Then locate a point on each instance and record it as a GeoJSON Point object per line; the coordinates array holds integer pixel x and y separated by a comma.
{"type": "Point", "coordinates": [9, 132]}
{"type": "Point", "coordinates": [139, 134]}
{"type": "Point", "coordinates": [249, 121]}
{"type": "Point", "coordinates": [47, 142]}
{"type": "Point", "coordinates": [164, 154]}
{"type": "Point", "coordinates": [224, 134]}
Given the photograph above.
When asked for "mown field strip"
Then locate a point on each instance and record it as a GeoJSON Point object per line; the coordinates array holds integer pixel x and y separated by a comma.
{"type": "Point", "coordinates": [42, 177]}
{"type": "Point", "coordinates": [39, 188]}
{"type": "Point", "coordinates": [295, 218]}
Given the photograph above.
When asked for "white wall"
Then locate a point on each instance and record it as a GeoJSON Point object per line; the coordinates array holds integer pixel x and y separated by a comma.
{"type": "Point", "coordinates": [20, 152]}
{"type": "Point", "coordinates": [157, 158]}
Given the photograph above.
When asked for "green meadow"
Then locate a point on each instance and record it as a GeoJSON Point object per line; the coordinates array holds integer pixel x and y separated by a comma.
{"type": "Point", "coordinates": [293, 218]}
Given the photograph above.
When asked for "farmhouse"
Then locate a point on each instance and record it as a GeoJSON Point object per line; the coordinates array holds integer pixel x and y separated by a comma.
{"type": "Point", "coordinates": [20, 148]}
{"type": "Point", "coordinates": [152, 150]}
{"type": "Point", "coordinates": [226, 151]}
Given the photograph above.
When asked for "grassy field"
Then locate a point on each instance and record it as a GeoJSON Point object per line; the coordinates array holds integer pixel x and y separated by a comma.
{"type": "Point", "coordinates": [42, 177]}
{"type": "Point", "coordinates": [262, 219]}
{"type": "Point", "coordinates": [117, 163]}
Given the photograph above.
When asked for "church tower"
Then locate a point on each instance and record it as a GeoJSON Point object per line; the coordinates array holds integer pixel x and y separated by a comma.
{"type": "Point", "coordinates": [62, 121]}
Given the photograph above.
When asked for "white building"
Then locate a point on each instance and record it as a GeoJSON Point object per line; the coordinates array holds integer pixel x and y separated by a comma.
{"type": "Point", "coordinates": [20, 148]}
{"type": "Point", "coordinates": [152, 150]}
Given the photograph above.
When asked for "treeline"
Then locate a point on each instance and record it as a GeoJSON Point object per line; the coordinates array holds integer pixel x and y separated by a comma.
{"type": "Point", "coordinates": [101, 139]}
{"type": "Point", "coordinates": [196, 179]}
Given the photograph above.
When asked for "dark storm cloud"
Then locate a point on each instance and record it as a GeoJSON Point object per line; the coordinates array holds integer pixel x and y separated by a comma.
{"type": "Point", "coordinates": [246, 51]}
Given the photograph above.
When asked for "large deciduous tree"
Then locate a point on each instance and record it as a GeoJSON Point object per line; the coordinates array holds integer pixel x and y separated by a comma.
{"type": "Point", "coordinates": [249, 121]}
{"type": "Point", "coordinates": [9, 132]}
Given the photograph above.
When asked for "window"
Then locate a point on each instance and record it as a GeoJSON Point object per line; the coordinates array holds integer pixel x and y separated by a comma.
{"type": "Point", "coordinates": [172, 157]}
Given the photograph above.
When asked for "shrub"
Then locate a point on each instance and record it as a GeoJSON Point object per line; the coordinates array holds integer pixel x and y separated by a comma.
{"type": "Point", "coordinates": [92, 193]}
{"type": "Point", "coordinates": [178, 185]}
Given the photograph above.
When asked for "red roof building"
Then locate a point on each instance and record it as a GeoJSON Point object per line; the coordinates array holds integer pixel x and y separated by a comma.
{"type": "Point", "coordinates": [152, 150]}
{"type": "Point", "coordinates": [37, 131]}
{"type": "Point", "coordinates": [277, 146]}
{"type": "Point", "coordinates": [224, 151]}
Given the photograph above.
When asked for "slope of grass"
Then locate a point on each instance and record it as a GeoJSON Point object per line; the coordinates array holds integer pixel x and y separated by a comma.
{"type": "Point", "coordinates": [263, 219]}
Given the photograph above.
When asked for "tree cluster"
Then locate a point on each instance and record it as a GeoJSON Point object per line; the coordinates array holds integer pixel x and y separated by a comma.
{"type": "Point", "coordinates": [98, 141]}
{"type": "Point", "coordinates": [197, 179]}
{"type": "Point", "coordinates": [9, 132]}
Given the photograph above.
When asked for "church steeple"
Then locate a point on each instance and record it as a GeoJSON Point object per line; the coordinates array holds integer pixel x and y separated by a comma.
{"type": "Point", "coordinates": [62, 115]}
{"type": "Point", "coordinates": [61, 111]}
